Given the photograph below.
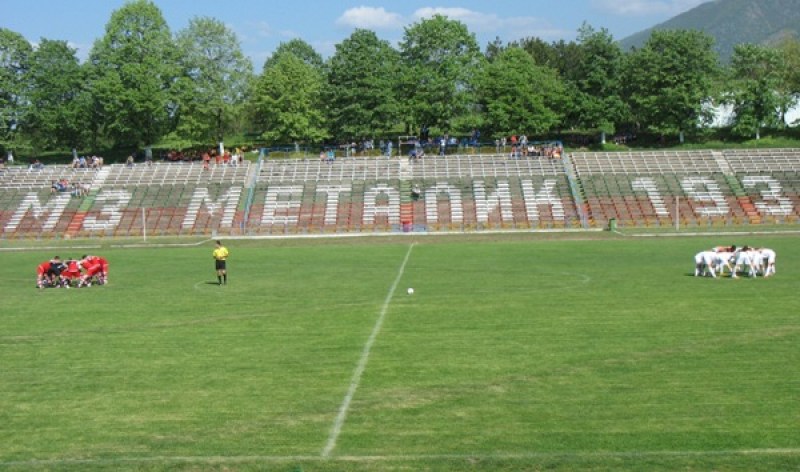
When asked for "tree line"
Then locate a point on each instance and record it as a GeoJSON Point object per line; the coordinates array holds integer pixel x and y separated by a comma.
{"type": "Point", "coordinates": [143, 85]}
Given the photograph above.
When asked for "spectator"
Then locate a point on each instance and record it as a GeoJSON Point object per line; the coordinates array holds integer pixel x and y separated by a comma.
{"type": "Point", "coordinates": [129, 161]}
{"type": "Point", "coordinates": [10, 158]}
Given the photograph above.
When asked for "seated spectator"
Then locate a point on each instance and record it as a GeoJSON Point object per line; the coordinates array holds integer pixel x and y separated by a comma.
{"type": "Point", "coordinates": [54, 186]}
{"type": "Point", "coordinates": [416, 192]}
{"type": "Point", "coordinates": [129, 161]}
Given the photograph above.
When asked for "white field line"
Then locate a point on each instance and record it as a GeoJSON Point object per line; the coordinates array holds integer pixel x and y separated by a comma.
{"type": "Point", "coordinates": [521, 456]}
{"type": "Point", "coordinates": [362, 361]}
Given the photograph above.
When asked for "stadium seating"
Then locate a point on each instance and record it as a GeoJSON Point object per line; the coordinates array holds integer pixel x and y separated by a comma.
{"type": "Point", "coordinates": [699, 188]}
{"type": "Point", "coordinates": [453, 193]}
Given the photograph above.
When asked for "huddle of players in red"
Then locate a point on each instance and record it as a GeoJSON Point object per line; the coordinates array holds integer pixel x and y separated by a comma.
{"type": "Point", "coordinates": [68, 273]}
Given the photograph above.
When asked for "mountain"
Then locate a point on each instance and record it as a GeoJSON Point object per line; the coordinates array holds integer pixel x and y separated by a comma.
{"type": "Point", "coordinates": [733, 22]}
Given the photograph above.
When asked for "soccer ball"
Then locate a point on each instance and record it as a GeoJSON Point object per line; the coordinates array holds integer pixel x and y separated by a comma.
{"type": "Point", "coordinates": [410, 291]}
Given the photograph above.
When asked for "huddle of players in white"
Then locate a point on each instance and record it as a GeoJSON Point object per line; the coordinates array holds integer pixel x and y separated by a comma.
{"type": "Point", "coordinates": [750, 260]}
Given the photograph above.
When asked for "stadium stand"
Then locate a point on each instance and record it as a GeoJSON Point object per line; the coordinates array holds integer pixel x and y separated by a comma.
{"type": "Point", "coordinates": [710, 187]}
{"type": "Point", "coordinates": [436, 193]}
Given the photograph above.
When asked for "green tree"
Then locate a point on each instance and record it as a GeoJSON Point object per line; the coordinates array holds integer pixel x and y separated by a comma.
{"type": "Point", "coordinates": [789, 50]}
{"type": "Point", "coordinates": [15, 53]}
{"type": "Point", "coordinates": [214, 82]}
{"type": "Point", "coordinates": [758, 76]}
{"type": "Point", "coordinates": [670, 81]}
{"type": "Point", "coordinates": [299, 49]}
{"type": "Point", "coordinates": [361, 93]}
{"type": "Point", "coordinates": [59, 100]}
{"type": "Point", "coordinates": [597, 101]}
{"type": "Point", "coordinates": [519, 96]}
{"type": "Point", "coordinates": [440, 58]}
{"type": "Point", "coordinates": [133, 69]}
{"type": "Point", "coordinates": [288, 102]}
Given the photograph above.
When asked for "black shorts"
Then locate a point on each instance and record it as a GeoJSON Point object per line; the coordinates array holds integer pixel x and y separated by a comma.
{"type": "Point", "coordinates": [220, 265]}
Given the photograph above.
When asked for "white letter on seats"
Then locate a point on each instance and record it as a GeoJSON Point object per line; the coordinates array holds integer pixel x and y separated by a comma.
{"type": "Point", "coordinates": [486, 203]}
{"type": "Point", "coordinates": [283, 200]}
{"type": "Point", "coordinates": [113, 203]}
{"type": "Point", "coordinates": [371, 207]}
{"type": "Point", "coordinates": [773, 203]}
{"type": "Point", "coordinates": [55, 207]}
{"type": "Point", "coordinates": [432, 202]}
{"type": "Point", "coordinates": [546, 196]}
{"type": "Point", "coordinates": [332, 202]}
{"type": "Point", "coordinates": [228, 201]}
{"type": "Point", "coordinates": [708, 192]}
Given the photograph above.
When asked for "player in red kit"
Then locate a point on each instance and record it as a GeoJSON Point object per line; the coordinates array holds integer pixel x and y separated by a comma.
{"type": "Point", "coordinates": [92, 267]}
{"type": "Point", "coordinates": [72, 272]}
{"type": "Point", "coordinates": [42, 280]}
{"type": "Point", "coordinates": [104, 265]}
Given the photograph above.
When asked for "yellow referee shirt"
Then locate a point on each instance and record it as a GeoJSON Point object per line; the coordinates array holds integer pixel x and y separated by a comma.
{"type": "Point", "coordinates": [220, 253]}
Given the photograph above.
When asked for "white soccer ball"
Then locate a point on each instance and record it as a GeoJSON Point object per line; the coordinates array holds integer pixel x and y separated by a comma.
{"type": "Point", "coordinates": [410, 291]}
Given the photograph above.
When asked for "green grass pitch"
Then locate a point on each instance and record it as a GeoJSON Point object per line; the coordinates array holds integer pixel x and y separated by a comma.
{"type": "Point", "coordinates": [514, 353]}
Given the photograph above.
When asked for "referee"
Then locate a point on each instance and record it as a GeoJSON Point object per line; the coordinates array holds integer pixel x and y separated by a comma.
{"type": "Point", "coordinates": [220, 256]}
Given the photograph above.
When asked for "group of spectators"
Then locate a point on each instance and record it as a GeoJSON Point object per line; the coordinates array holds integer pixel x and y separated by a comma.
{"type": "Point", "coordinates": [207, 156]}
{"type": "Point", "coordinates": [75, 189]}
{"type": "Point", "coordinates": [83, 162]}
{"type": "Point", "coordinates": [66, 273]}
{"type": "Point", "coordinates": [225, 158]}
{"type": "Point", "coordinates": [521, 147]}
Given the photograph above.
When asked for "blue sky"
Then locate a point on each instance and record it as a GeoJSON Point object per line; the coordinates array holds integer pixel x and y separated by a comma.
{"type": "Point", "coordinates": [262, 25]}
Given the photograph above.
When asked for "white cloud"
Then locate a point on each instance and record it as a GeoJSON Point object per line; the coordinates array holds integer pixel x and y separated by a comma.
{"type": "Point", "coordinates": [261, 29]}
{"type": "Point", "coordinates": [646, 7]}
{"type": "Point", "coordinates": [370, 18]}
{"type": "Point", "coordinates": [509, 28]}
